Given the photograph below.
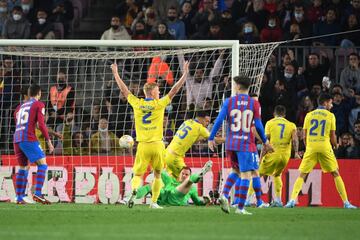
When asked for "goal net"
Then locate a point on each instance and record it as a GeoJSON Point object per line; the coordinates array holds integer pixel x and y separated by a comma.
{"type": "Point", "coordinates": [86, 113]}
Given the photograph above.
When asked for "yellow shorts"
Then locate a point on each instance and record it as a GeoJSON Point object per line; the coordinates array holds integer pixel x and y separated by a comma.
{"type": "Point", "coordinates": [326, 159]}
{"type": "Point", "coordinates": [149, 154]}
{"type": "Point", "coordinates": [273, 164]}
{"type": "Point", "coordinates": [174, 163]}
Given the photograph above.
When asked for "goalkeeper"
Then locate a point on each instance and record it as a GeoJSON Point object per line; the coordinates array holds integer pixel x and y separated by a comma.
{"type": "Point", "coordinates": [177, 192]}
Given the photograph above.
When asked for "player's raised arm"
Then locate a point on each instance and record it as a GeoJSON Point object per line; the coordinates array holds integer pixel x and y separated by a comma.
{"type": "Point", "coordinates": [123, 88]}
{"type": "Point", "coordinates": [175, 89]}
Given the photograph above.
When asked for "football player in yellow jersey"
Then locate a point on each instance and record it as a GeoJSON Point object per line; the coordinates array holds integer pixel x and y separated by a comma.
{"type": "Point", "coordinates": [320, 139]}
{"type": "Point", "coordinates": [282, 135]}
{"type": "Point", "coordinates": [189, 132]}
{"type": "Point", "coordinates": [149, 117]}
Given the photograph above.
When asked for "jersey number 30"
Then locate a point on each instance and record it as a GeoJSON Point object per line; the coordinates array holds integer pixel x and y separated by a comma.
{"type": "Point", "coordinates": [241, 120]}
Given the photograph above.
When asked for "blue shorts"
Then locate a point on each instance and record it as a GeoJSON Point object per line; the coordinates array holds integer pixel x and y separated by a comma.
{"type": "Point", "coordinates": [32, 151]}
{"type": "Point", "coordinates": [248, 161]}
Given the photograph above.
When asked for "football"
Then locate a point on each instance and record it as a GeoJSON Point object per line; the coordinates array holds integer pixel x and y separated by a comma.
{"type": "Point", "coordinates": [126, 141]}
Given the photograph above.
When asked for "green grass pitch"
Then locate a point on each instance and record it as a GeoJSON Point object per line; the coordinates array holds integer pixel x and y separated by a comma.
{"type": "Point", "coordinates": [79, 221]}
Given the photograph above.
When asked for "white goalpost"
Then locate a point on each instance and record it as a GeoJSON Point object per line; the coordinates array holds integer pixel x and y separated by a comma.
{"type": "Point", "coordinates": [85, 107]}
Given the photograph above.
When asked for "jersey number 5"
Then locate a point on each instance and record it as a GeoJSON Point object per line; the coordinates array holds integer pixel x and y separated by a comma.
{"type": "Point", "coordinates": [183, 131]}
{"type": "Point", "coordinates": [22, 116]}
{"type": "Point", "coordinates": [241, 120]}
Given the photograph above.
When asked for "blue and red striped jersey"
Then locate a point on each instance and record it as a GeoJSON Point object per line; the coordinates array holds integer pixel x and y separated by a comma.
{"type": "Point", "coordinates": [27, 115]}
{"type": "Point", "coordinates": [240, 111]}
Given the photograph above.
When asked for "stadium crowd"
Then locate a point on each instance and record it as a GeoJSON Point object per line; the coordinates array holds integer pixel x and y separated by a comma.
{"type": "Point", "coordinates": [288, 79]}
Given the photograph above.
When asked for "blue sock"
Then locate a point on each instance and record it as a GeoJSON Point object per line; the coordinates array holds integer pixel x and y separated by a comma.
{"type": "Point", "coordinates": [40, 178]}
{"type": "Point", "coordinates": [257, 189]}
{"type": "Point", "coordinates": [237, 191]}
{"type": "Point", "coordinates": [244, 187]}
{"type": "Point", "coordinates": [21, 181]}
{"type": "Point", "coordinates": [230, 181]}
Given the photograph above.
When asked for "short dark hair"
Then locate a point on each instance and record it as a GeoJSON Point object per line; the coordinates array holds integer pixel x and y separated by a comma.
{"type": "Point", "coordinates": [357, 122]}
{"type": "Point", "coordinates": [243, 81]}
{"type": "Point", "coordinates": [354, 55]}
{"type": "Point", "coordinates": [202, 113]}
{"type": "Point", "coordinates": [324, 97]}
{"type": "Point", "coordinates": [24, 91]}
{"type": "Point", "coordinates": [186, 168]}
{"type": "Point", "coordinates": [337, 85]}
{"type": "Point", "coordinates": [314, 54]}
{"type": "Point", "coordinates": [34, 90]}
{"type": "Point", "coordinates": [280, 110]}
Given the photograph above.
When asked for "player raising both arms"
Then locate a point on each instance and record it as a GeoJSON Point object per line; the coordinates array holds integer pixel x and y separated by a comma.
{"type": "Point", "coordinates": [26, 145]}
{"type": "Point", "coordinates": [149, 117]}
{"type": "Point", "coordinates": [281, 134]}
{"type": "Point", "coordinates": [241, 110]}
{"type": "Point", "coordinates": [320, 139]}
{"type": "Point", "coordinates": [189, 132]}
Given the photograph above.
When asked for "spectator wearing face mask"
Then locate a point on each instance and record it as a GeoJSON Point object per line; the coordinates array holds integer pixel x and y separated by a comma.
{"type": "Point", "coordinates": [62, 99]}
{"type": "Point", "coordinates": [249, 33]}
{"type": "Point", "coordinates": [16, 27]}
{"type": "Point", "coordinates": [272, 32]}
{"type": "Point", "coordinates": [42, 29]}
{"type": "Point", "coordinates": [298, 17]}
{"type": "Point", "coordinates": [116, 32]}
{"type": "Point", "coordinates": [104, 142]}
{"type": "Point", "coordinates": [140, 32]}
{"type": "Point", "coordinates": [28, 10]}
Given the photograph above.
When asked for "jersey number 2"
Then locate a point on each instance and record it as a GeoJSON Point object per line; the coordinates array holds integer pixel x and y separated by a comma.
{"type": "Point", "coordinates": [242, 120]}
{"type": "Point", "coordinates": [145, 118]}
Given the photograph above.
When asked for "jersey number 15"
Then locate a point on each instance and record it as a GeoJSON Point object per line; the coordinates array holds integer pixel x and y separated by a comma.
{"type": "Point", "coordinates": [22, 116]}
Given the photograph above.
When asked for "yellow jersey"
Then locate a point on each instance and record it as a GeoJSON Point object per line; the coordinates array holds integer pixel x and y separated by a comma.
{"type": "Point", "coordinates": [280, 131]}
{"type": "Point", "coordinates": [149, 117]}
{"type": "Point", "coordinates": [188, 133]}
{"type": "Point", "coordinates": [318, 124]}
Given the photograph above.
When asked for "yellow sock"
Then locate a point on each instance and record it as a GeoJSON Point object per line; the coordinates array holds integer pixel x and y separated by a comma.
{"type": "Point", "coordinates": [297, 188]}
{"type": "Point", "coordinates": [251, 189]}
{"type": "Point", "coordinates": [155, 188]}
{"type": "Point", "coordinates": [135, 182]}
{"type": "Point", "coordinates": [278, 187]}
{"type": "Point", "coordinates": [340, 186]}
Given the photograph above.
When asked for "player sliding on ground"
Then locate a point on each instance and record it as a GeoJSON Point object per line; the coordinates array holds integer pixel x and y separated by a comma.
{"type": "Point", "coordinates": [178, 191]}
{"type": "Point", "coordinates": [149, 116]}
{"type": "Point", "coordinates": [26, 145]}
{"type": "Point", "coordinates": [240, 111]}
{"type": "Point", "coordinates": [281, 134]}
{"type": "Point", "coordinates": [189, 132]}
{"type": "Point", "coordinates": [320, 139]}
